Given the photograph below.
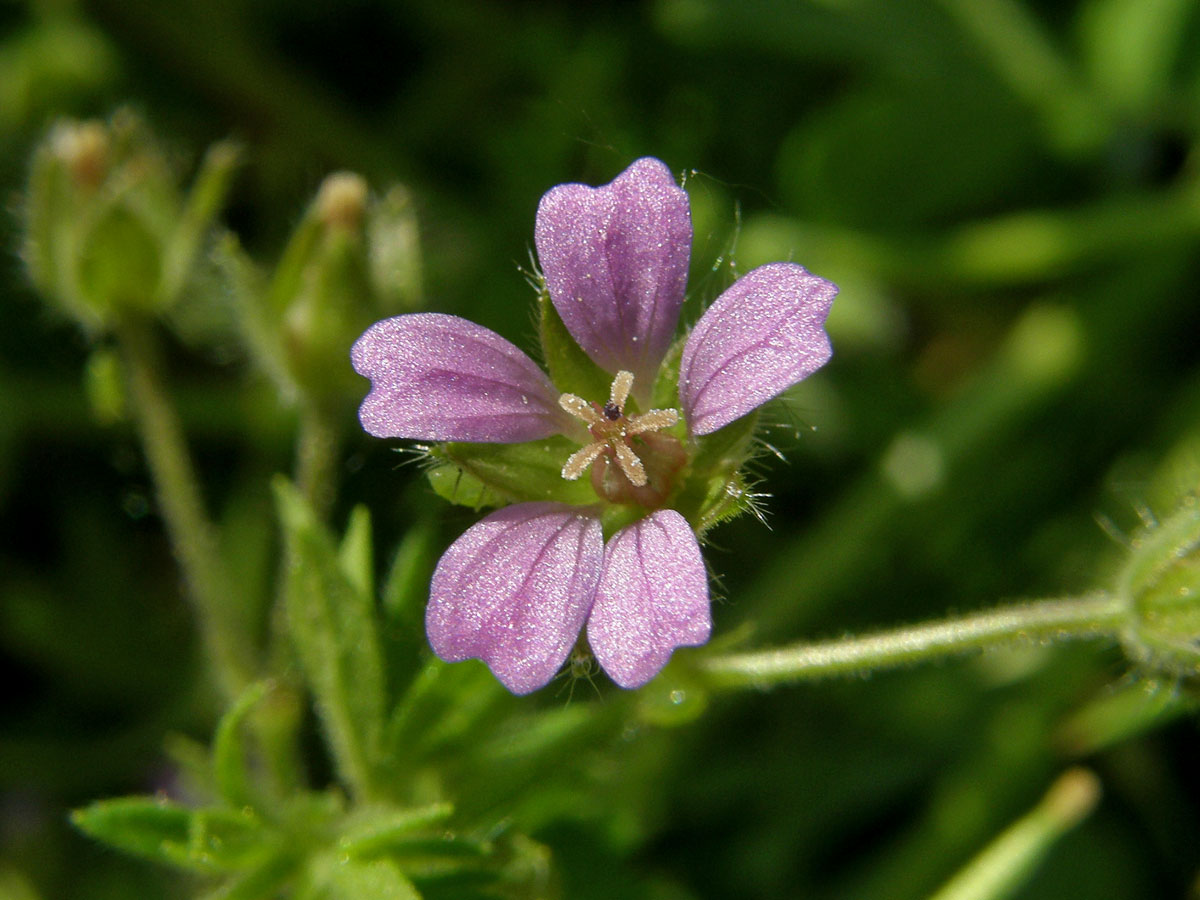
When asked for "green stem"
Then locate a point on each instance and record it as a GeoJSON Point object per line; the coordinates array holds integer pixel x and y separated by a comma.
{"type": "Point", "coordinates": [1095, 615]}
{"type": "Point", "coordinates": [1002, 867]}
{"type": "Point", "coordinates": [317, 449]}
{"type": "Point", "coordinates": [225, 638]}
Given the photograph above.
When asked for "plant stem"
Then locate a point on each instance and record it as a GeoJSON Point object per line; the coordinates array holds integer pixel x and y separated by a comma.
{"type": "Point", "coordinates": [225, 638]}
{"type": "Point", "coordinates": [317, 449]}
{"type": "Point", "coordinates": [1091, 616]}
{"type": "Point", "coordinates": [1002, 867]}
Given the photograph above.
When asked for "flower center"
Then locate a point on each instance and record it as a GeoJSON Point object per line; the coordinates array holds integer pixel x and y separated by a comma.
{"type": "Point", "coordinates": [612, 430]}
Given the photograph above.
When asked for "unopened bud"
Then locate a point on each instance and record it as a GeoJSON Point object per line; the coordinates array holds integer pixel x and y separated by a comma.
{"type": "Point", "coordinates": [86, 151]}
{"type": "Point", "coordinates": [342, 201]}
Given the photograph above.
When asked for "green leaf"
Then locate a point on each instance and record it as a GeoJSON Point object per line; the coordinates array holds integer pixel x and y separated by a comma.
{"type": "Point", "coordinates": [570, 368]}
{"type": "Point", "coordinates": [202, 840]}
{"type": "Point", "coordinates": [404, 594]}
{"type": "Point", "coordinates": [380, 833]}
{"type": "Point", "coordinates": [509, 472]}
{"type": "Point", "coordinates": [333, 625]}
{"type": "Point", "coordinates": [346, 878]}
{"type": "Point", "coordinates": [407, 583]}
{"type": "Point", "coordinates": [263, 883]}
{"type": "Point", "coordinates": [356, 554]}
{"type": "Point", "coordinates": [231, 757]}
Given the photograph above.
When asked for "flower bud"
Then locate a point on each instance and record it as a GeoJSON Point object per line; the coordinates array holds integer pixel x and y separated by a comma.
{"type": "Point", "coordinates": [107, 229]}
{"type": "Point", "coordinates": [1161, 583]}
{"type": "Point", "coordinates": [328, 286]}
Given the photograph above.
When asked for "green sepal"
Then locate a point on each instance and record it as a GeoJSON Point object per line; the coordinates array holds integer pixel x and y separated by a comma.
{"type": "Point", "coordinates": [1161, 585]}
{"type": "Point", "coordinates": [204, 200]}
{"type": "Point", "coordinates": [571, 370]}
{"type": "Point", "coordinates": [480, 475]}
{"type": "Point", "coordinates": [334, 627]}
{"type": "Point", "coordinates": [394, 252]}
{"type": "Point", "coordinates": [714, 489]}
{"type": "Point", "coordinates": [120, 261]}
{"type": "Point", "coordinates": [201, 840]}
{"type": "Point", "coordinates": [666, 385]}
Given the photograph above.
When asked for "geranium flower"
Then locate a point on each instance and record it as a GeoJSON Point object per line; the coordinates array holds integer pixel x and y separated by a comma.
{"type": "Point", "coordinates": [517, 588]}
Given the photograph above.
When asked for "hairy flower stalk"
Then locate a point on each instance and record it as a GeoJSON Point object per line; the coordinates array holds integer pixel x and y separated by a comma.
{"type": "Point", "coordinates": [616, 554]}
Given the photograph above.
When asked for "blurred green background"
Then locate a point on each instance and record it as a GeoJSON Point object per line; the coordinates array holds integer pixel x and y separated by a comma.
{"type": "Point", "coordinates": [1008, 194]}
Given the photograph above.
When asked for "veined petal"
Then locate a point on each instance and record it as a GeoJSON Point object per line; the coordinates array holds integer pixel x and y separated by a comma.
{"type": "Point", "coordinates": [761, 336]}
{"type": "Point", "coordinates": [652, 598]}
{"type": "Point", "coordinates": [615, 260]}
{"type": "Point", "coordinates": [441, 378]}
{"type": "Point", "coordinates": [514, 591]}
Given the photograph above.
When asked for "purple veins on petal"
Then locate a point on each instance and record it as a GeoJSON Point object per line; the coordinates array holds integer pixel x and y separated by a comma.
{"type": "Point", "coordinates": [615, 260]}
{"type": "Point", "coordinates": [514, 591]}
{"type": "Point", "coordinates": [761, 336]}
{"type": "Point", "coordinates": [652, 598]}
{"type": "Point", "coordinates": [436, 377]}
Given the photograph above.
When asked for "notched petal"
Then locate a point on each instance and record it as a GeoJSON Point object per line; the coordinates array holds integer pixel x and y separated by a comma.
{"type": "Point", "coordinates": [514, 591]}
{"type": "Point", "coordinates": [436, 377]}
{"type": "Point", "coordinates": [761, 336]}
{"type": "Point", "coordinates": [652, 598]}
{"type": "Point", "coordinates": [615, 259]}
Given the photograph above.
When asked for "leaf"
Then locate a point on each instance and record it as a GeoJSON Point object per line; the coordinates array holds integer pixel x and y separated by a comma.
{"type": "Point", "coordinates": [333, 624]}
{"type": "Point", "coordinates": [404, 594]}
{"type": "Point", "coordinates": [380, 833]}
{"type": "Point", "coordinates": [346, 878]}
{"type": "Point", "coordinates": [231, 757]}
{"type": "Point", "coordinates": [356, 554]}
{"type": "Point", "coordinates": [203, 840]}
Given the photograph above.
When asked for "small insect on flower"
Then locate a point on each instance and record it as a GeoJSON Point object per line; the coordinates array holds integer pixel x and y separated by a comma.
{"type": "Point", "coordinates": [621, 559]}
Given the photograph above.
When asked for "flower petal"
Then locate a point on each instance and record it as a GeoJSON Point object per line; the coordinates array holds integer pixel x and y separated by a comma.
{"type": "Point", "coordinates": [761, 336]}
{"type": "Point", "coordinates": [441, 378]}
{"type": "Point", "coordinates": [652, 598]}
{"type": "Point", "coordinates": [615, 260]}
{"type": "Point", "coordinates": [514, 591]}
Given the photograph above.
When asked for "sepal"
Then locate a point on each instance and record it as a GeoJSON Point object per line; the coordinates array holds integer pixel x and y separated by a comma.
{"type": "Point", "coordinates": [485, 475]}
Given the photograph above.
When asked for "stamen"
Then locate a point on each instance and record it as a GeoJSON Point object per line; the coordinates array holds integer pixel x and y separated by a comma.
{"type": "Point", "coordinates": [630, 464]}
{"type": "Point", "coordinates": [578, 462]}
{"type": "Point", "coordinates": [612, 430]}
{"type": "Point", "coordinates": [652, 421]}
{"type": "Point", "coordinates": [580, 409]}
{"type": "Point", "coordinates": [621, 387]}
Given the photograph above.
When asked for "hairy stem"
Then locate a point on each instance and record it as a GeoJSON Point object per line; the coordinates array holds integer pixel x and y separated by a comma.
{"type": "Point", "coordinates": [317, 449]}
{"type": "Point", "coordinates": [1091, 616]}
{"type": "Point", "coordinates": [226, 641]}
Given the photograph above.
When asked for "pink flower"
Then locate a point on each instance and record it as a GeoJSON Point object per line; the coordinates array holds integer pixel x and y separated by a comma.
{"type": "Point", "coordinates": [518, 587]}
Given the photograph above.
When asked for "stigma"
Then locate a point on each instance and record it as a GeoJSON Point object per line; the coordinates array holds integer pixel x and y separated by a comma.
{"type": "Point", "coordinates": [611, 430]}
